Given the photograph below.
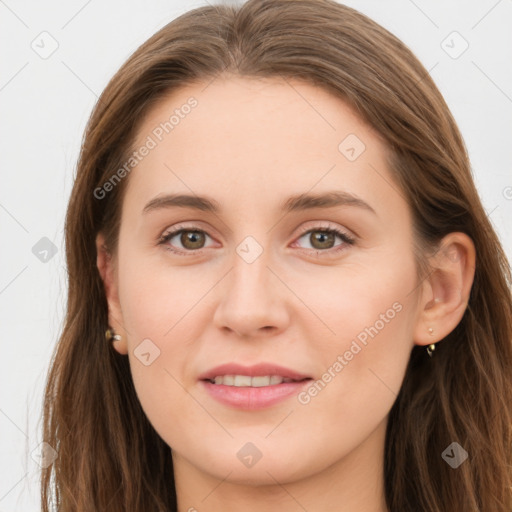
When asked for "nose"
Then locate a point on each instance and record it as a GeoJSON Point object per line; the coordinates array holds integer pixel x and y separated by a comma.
{"type": "Point", "coordinates": [253, 299]}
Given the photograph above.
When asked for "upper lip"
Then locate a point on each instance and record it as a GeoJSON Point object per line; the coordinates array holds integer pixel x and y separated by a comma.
{"type": "Point", "coordinates": [261, 369]}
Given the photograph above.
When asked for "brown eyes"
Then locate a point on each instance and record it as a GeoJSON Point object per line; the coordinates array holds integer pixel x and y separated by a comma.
{"type": "Point", "coordinates": [189, 240]}
{"type": "Point", "coordinates": [193, 240]}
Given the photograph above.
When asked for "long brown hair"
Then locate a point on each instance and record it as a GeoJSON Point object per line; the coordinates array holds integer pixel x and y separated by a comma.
{"type": "Point", "coordinates": [109, 456]}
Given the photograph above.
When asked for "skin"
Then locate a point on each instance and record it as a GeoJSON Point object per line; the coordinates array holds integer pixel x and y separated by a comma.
{"type": "Point", "coordinates": [250, 144]}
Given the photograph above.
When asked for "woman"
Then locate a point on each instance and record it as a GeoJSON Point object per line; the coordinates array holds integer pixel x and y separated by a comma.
{"type": "Point", "coordinates": [284, 292]}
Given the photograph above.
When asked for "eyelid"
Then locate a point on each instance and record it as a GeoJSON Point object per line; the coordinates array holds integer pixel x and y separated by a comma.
{"type": "Point", "coordinates": [325, 225]}
{"type": "Point", "coordinates": [193, 225]}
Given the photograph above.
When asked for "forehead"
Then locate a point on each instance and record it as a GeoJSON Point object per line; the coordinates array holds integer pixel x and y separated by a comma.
{"type": "Point", "coordinates": [246, 138]}
{"type": "Point", "coordinates": [263, 107]}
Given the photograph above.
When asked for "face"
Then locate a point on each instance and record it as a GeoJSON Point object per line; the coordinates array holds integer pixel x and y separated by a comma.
{"type": "Point", "coordinates": [296, 263]}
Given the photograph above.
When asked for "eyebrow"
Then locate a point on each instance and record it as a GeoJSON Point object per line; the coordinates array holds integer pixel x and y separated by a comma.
{"type": "Point", "coordinates": [295, 203]}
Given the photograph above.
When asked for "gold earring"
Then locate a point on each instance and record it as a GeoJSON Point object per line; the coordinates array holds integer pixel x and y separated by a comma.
{"type": "Point", "coordinates": [110, 335]}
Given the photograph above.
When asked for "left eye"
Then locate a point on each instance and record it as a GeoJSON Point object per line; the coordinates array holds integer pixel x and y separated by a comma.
{"type": "Point", "coordinates": [323, 239]}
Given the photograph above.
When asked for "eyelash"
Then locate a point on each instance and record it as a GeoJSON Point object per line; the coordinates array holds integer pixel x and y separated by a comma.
{"type": "Point", "coordinates": [347, 240]}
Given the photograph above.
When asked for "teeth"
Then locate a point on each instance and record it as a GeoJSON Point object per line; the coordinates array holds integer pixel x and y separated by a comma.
{"type": "Point", "coordinates": [275, 379]}
{"type": "Point", "coordinates": [242, 380]}
{"type": "Point", "coordinates": [260, 381]}
{"type": "Point", "coordinates": [229, 380]}
{"type": "Point", "coordinates": [247, 381]}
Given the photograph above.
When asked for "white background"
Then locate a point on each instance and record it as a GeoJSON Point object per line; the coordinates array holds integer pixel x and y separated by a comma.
{"type": "Point", "coordinates": [45, 103]}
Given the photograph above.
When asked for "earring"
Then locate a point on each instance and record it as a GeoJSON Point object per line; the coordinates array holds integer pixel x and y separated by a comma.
{"type": "Point", "coordinates": [432, 346]}
{"type": "Point", "coordinates": [110, 335]}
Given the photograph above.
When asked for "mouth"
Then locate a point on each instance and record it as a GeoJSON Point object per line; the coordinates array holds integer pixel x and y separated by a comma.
{"type": "Point", "coordinates": [252, 387]}
{"type": "Point", "coordinates": [242, 381]}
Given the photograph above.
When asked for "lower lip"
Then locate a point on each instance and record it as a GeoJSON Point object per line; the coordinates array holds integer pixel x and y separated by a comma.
{"type": "Point", "coordinates": [250, 398]}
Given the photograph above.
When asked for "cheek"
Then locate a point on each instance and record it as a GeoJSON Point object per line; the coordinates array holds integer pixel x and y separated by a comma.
{"type": "Point", "coordinates": [157, 307]}
{"type": "Point", "coordinates": [366, 348]}
{"type": "Point", "coordinates": [156, 296]}
{"type": "Point", "coordinates": [363, 302]}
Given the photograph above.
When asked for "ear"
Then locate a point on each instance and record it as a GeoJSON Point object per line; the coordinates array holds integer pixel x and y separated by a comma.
{"type": "Point", "coordinates": [106, 268]}
{"type": "Point", "coordinates": [446, 289]}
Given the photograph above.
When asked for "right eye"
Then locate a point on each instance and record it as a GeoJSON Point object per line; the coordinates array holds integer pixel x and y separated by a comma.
{"type": "Point", "coordinates": [190, 238]}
